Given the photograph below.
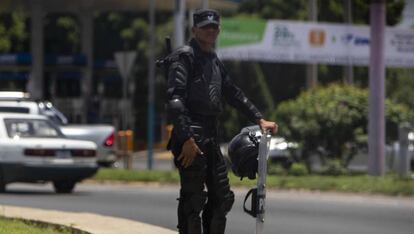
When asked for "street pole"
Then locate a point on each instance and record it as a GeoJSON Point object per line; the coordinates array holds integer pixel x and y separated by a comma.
{"type": "Point", "coordinates": [151, 83]}
{"type": "Point", "coordinates": [205, 4]}
{"type": "Point", "coordinates": [190, 19]}
{"type": "Point", "coordinates": [86, 17]}
{"type": "Point", "coordinates": [35, 83]}
{"type": "Point", "coordinates": [179, 13]}
{"type": "Point", "coordinates": [349, 70]}
{"type": "Point", "coordinates": [125, 97]}
{"type": "Point", "coordinates": [376, 120]}
{"type": "Point", "coordinates": [312, 69]}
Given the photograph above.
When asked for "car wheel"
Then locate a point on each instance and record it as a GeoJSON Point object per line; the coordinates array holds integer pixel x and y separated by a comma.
{"type": "Point", "coordinates": [106, 164]}
{"type": "Point", "coordinates": [2, 186]}
{"type": "Point", "coordinates": [64, 186]}
{"type": "Point", "coordinates": [2, 183]}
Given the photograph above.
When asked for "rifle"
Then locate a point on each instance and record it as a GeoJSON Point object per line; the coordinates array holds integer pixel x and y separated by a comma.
{"type": "Point", "coordinates": [163, 61]}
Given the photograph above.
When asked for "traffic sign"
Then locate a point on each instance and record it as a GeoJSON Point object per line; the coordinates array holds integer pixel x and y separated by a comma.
{"type": "Point", "coordinates": [125, 60]}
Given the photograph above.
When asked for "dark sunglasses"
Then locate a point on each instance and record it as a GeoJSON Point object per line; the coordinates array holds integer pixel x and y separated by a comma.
{"type": "Point", "coordinates": [210, 26]}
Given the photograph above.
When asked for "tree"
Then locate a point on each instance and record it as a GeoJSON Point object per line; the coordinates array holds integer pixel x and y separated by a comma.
{"type": "Point", "coordinates": [275, 9]}
{"type": "Point", "coordinates": [13, 32]}
{"type": "Point", "coordinates": [400, 86]}
{"type": "Point", "coordinates": [62, 34]}
{"type": "Point", "coordinates": [328, 11]}
{"type": "Point", "coordinates": [332, 121]}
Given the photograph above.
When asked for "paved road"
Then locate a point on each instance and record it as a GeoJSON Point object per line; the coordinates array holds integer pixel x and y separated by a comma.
{"type": "Point", "coordinates": [287, 213]}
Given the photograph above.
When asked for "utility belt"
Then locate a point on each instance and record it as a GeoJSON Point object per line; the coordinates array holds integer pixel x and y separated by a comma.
{"type": "Point", "coordinates": [205, 129]}
{"type": "Point", "coordinates": [204, 126]}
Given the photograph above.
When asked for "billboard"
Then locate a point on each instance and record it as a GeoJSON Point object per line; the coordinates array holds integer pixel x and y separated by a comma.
{"type": "Point", "coordinates": [310, 42]}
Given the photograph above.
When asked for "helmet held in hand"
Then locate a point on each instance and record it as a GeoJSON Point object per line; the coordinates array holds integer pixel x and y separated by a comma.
{"type": "Point", "coordinates": [243, 152]}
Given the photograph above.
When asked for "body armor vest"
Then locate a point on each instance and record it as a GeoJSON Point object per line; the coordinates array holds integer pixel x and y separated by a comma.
{"type": "Point", "coordinates": [204, 87]}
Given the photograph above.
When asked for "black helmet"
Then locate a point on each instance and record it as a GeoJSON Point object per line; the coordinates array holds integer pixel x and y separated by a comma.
{"type": "Point", "coordinates": [243, 152]}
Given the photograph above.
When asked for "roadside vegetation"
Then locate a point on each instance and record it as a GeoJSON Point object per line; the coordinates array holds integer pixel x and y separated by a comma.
{"type": "Point", "coordinates": [296, 178]}
{"type": "Point", "coordinates": [331, 122]}
{"type": "Point", "coordinates": [18, 226]}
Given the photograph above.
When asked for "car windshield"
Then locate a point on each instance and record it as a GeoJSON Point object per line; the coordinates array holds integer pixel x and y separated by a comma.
{"type": "Point", "coordinates": [29, 128]}
{"type": "Point", "coordinates": [14, 109]}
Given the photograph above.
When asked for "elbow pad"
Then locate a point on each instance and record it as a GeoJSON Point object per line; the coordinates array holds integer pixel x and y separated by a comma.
{"type": "Point", "coordinates": [176, 106]}
{"type": "Point", "coordinates": [181, 121]}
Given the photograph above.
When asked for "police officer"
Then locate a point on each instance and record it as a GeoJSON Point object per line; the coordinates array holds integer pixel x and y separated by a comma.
{"type": "Point", "coordinates": [198, 85]}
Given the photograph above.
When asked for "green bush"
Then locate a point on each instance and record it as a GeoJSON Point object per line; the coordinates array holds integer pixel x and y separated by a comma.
{"type": "Point", "coordinates": [275, 169]}
{"type": "Point", "coordinates": [298, 169]}
{"type": "Point", "coordinates": [332, 121]}
{"type": "Point", "coordinates": [333, 168]}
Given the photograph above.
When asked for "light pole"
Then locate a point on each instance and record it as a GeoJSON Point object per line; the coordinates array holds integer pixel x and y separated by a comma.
{"type": "Point", "coordinates": [376, 119]}
{"type": "Point", "coordinates": [349, 70]}
{"type": "Point", "coordinates": [179, 14]}
{"type": "Point", "coordinates": [151, 84]}
{"type": "Point", "coordinates": [312, 68]}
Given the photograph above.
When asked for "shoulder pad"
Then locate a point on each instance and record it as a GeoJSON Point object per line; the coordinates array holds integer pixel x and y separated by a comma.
{"type": "Point", "coordinates": [183, 50]}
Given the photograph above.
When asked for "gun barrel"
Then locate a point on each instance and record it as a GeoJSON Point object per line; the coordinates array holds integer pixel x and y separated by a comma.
{"type": "Point", "coordinates": [168, 45]}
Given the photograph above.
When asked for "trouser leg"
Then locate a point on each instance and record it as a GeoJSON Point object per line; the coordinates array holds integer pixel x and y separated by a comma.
{"type": "Point", "coordinates": [192, 197]}
{"type": "Point", "coordinates": [220, 197]}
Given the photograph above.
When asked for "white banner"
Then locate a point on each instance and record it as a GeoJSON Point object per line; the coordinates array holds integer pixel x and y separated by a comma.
{"type": "Point", "coordinates": [303, 42]}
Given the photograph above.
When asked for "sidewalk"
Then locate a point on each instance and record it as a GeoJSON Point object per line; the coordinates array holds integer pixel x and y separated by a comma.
{"type": "Point", "coordinates": [89, 222]}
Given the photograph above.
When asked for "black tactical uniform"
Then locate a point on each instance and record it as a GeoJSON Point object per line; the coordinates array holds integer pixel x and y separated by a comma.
{"type": "Point", "coordinates": [198, 85]}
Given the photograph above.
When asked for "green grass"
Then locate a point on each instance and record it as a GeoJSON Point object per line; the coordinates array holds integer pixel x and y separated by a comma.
{"type": "Point", "coordinates": [387, 185]}
{"type": "Point", "coordinates": [137, 176]}
{"type": "Point", "coordinates": [17, 226]}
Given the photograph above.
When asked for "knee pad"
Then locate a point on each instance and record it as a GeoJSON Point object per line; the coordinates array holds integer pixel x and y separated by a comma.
{"type": "Point", "coordinates": [222, 185]}
{"type": "Point", "coordinates": [227, 202]}
{"type": "Point", "coordinates": [224, 195]}
{"type": "Point", "coordinates": [192, 203]}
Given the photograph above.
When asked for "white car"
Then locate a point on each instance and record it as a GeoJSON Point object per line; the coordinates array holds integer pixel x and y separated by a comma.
{"type": "Point", "coordinates": [282, 151]}
{"type": "Point", "coordinates": [33, 149]}
{"type": "Point", "coordinates": [102, 134]}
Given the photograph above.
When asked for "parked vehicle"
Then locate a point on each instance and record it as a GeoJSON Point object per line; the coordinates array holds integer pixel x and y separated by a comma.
{"type": "Point", "coordinates": [282, 151]}
{"type": "Point", "coordinates": [411, 149]}
{"type": "Point", "coordinates": [33, 149]}
{"type": "Point", "coordinates": [101, 134]}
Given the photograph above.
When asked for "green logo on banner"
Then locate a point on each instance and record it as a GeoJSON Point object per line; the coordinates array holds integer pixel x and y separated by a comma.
{"type": "Point", "coordinates": [236, 32]}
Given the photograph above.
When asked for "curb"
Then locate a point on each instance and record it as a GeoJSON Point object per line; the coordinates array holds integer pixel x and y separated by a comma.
{"type": "Point", "coordinates": [88, 222]}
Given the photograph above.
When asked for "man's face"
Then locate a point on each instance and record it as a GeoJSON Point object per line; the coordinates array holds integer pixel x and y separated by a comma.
{"type": "Point", "coordinates": [207, 34]}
